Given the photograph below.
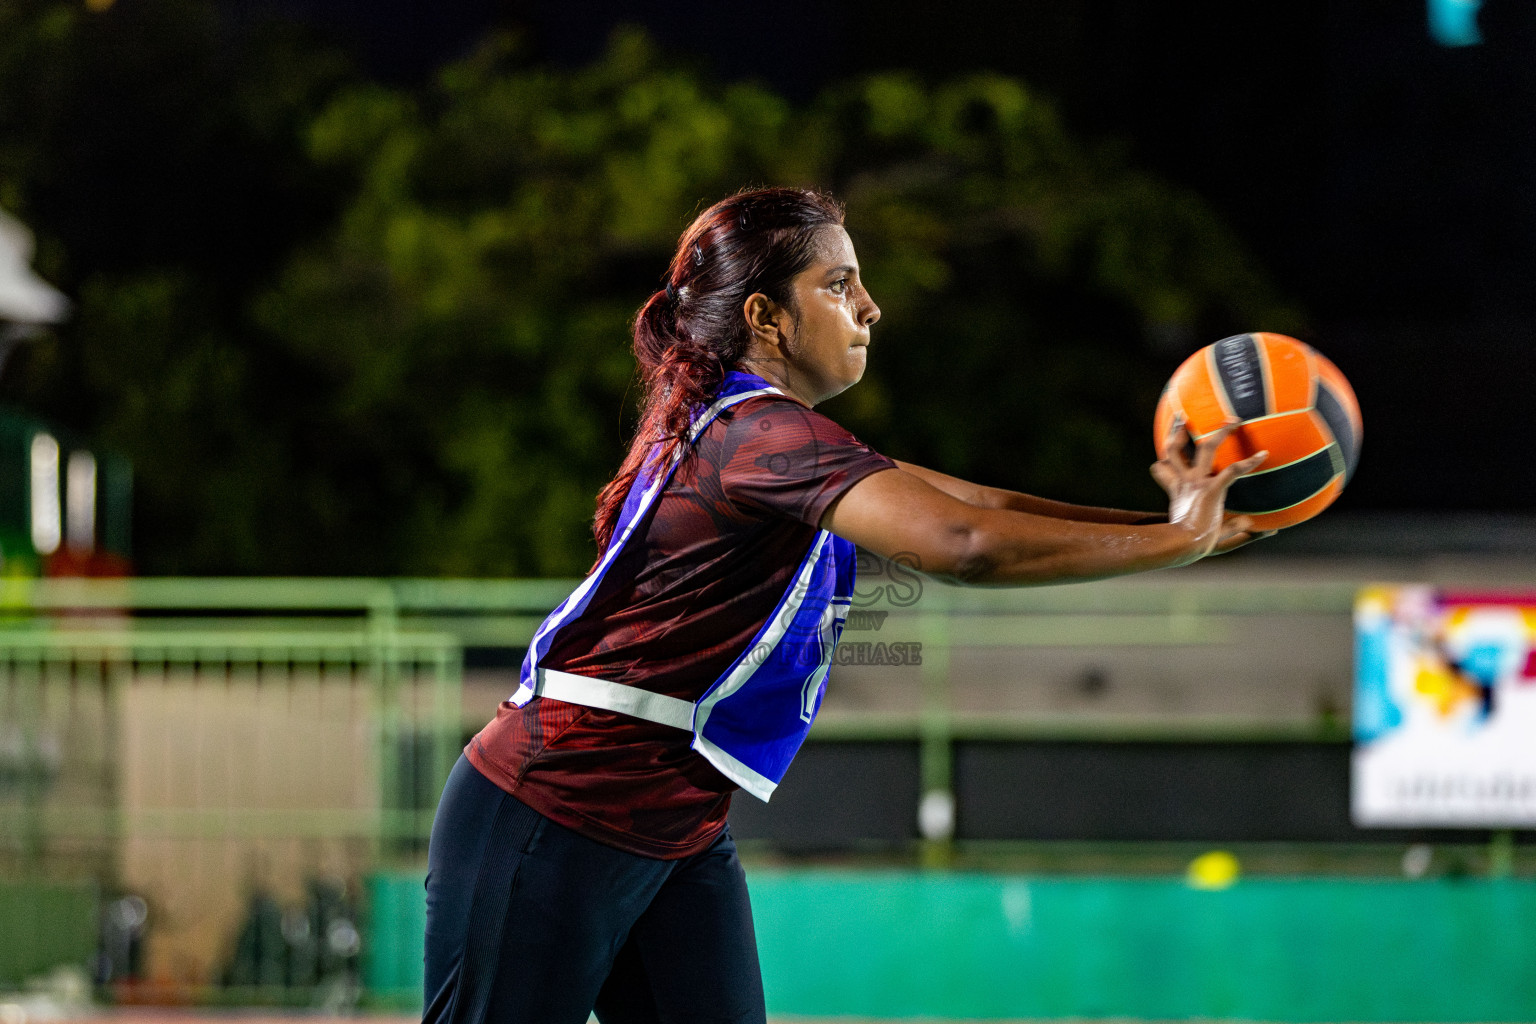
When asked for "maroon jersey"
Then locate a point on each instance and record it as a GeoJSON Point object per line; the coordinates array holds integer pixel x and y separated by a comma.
{"type": "Point", "coordinates": [686, 594]}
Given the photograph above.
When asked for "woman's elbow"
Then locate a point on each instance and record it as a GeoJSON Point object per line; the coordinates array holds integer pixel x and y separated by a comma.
{"type": "Point", "coordinates": [981, 557]}
{"type": "Point", "coordinates": [969, 556]}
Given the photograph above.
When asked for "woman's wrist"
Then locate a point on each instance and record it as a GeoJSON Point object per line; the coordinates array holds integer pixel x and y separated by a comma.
{"type": "Point", "coordinates": [1197, 540]}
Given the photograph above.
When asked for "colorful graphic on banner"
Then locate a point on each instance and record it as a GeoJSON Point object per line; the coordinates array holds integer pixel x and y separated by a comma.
{"type": "Point", "coordinates": [1445, 709]}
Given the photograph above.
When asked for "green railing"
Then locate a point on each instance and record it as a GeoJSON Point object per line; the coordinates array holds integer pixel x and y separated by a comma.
{"type": "Point", "coordinates": [103, 635]}
{"type": "Point", "coordinates": [205, 742]}
{"type": "Point", "coordinates": [212, 747]}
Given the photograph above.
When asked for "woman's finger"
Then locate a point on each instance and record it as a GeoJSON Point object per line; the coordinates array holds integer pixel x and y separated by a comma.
{"type": "Point", "coordinates": [1205, 451]}
{"type": "Point", "coordinates": [1166, 476]}
{"type": "Point", "coordinates": [1173, 444]}
{"type": "Point", "coordinates": [1234, 524]}
{"type": "Point", "coordinates": [1241, 468]}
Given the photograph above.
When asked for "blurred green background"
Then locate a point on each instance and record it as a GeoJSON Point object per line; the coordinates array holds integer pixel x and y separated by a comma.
{"type": "Point", "coordinates": [341, 326]}
{"type": "Point", "coordinates": [351, 287]}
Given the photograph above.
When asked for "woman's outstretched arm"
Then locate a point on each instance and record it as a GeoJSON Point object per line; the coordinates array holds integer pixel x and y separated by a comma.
{"type": "Point", "coordinates": [997, 497]}
{"type": "Point", "coordinates": [900, 512]}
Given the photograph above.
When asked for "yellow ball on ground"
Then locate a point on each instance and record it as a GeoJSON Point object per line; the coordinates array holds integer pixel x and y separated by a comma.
{"type": "Point", "coordinates": [1215, 870]}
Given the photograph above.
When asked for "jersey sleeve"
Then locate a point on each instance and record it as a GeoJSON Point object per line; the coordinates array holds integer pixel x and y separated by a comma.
{"type": "Point", "coordinates": [784, 459]}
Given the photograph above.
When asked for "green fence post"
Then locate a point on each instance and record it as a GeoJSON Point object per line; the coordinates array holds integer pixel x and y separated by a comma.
{"type": "Point", "coordinates": [936, 811]}
{"type": "Point", "coordinates": [384, 642]}
{"type": "Point", "coordinates": [447, 714]}
{"type": "Point", "coordinates": [1501, 854]}
{"type": "Point", "coordinates": [27, 672]}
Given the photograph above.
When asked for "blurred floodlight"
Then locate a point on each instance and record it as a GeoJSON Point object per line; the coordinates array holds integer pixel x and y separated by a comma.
{"type": "Point", "coordinates": [343, 938]}
{"type": "Point", "coordinates": [80, 503]}
{"type": "Point", "coordinates": [25, 298]}
{"type": "Point", "coordinates": [1454, 22]}
{"type": "Point", "coordinates": [47, 520]}
{"type": "Point", "coordinates": [936, 815]}
{"type": "Point", "coordinates": [129, 913]}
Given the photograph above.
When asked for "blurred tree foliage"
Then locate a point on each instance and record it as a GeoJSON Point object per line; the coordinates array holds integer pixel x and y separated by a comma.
{"type": "Point", "coordinates": [346, 327]}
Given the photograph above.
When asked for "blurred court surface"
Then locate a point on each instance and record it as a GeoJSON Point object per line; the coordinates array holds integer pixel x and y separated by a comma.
{"type": "Point", "coordinates": [255, 1017]}
{"type": "Point", "coordinates": [248, 1017]}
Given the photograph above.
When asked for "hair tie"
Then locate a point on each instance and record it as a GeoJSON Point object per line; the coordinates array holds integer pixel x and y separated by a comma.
{"type": "Point", "coordinates": [698, 255]}
{"type": "Point", "coordinates": [671, 293]}
{"type": "Point", "coordinates": [744, 219]}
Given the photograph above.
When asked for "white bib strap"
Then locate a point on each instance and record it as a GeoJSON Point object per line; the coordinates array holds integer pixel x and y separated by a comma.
{"type": "Point", "coordinates": [627, 700]}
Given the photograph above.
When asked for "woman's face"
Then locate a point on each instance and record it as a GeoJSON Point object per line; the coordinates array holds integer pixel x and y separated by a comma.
{"type": "Point", "coordinates": [826, 333]}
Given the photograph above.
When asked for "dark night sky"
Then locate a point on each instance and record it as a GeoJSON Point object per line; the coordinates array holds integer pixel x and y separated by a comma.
{"type": "Point", "coordinates": [1388, 183]}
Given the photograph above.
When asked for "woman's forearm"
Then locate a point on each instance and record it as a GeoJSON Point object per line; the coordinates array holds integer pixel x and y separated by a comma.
{"type": "Point", "coordinates": [1008, 551]}
{"type": "Point", "coordinates": [999, 498]}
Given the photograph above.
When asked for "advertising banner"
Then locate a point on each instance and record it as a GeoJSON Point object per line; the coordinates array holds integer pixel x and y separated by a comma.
{"type": "Point", "coordinates": [1445, 709]}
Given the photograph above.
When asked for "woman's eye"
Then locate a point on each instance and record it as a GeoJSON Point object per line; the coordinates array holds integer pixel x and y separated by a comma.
{"type": "Point", "coordinates": [840, 285]}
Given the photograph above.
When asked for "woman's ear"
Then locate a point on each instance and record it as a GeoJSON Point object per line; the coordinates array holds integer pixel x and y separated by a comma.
{"type": "Point", "coordinates": [765, 320]}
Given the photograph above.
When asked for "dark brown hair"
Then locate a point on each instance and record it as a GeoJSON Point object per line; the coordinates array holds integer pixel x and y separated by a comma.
{"type": "Point", "coordinates": [692, 331]}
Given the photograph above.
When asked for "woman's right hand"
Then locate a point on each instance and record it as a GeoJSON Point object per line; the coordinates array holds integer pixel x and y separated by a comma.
{"type": "Point", "coordinates": [1197, 495]}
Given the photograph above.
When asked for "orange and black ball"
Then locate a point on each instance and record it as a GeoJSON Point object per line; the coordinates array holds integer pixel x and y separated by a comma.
{"type": "Point", "coordinates": [1291, 401]}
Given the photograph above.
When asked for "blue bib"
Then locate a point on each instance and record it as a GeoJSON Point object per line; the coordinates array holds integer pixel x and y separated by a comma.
{"type": "Point", "coordinates": [753, 718]}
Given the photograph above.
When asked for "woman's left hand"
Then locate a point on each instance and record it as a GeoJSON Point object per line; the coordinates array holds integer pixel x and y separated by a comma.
{"type": "Point", "coordinates": [1237, 540]}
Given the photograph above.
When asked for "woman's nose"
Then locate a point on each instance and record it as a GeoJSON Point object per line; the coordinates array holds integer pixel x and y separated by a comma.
{"type": "Point", "coordinates": [870, 312]}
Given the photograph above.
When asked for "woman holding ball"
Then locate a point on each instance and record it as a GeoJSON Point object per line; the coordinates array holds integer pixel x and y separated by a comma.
{"type": "Point", "coordinates": [580, 858]}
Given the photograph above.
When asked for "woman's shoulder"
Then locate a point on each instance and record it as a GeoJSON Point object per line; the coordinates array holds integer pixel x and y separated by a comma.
{"type": "Point", "coordinates": [776, 420]}
{"type": "Point", "coordinates": [775, 454]}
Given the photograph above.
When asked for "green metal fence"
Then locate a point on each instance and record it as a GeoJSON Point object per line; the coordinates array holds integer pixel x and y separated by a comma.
{"type": "Point", "coordinates": [243, 754]}
{"type": "Point", "coordinates": [219, 750]}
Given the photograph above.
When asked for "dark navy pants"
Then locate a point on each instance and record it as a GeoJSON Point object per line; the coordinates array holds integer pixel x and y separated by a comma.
{"type": "Point", "coordinates": [530, 923]}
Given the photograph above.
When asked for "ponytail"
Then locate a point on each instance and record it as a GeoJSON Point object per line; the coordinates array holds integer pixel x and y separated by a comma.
{"type": "Point", "coordinates": [689, 334]}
